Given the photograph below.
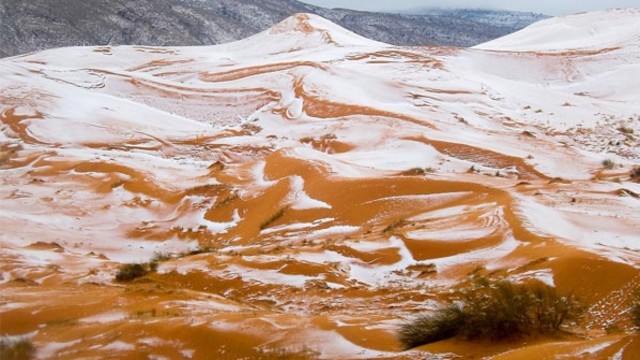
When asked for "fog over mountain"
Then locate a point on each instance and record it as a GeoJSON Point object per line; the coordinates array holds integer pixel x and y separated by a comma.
{"type": "Point", "coordinates": [550, 7]}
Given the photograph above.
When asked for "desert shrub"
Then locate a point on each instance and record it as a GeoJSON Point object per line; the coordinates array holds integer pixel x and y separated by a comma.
{"type": "Point", "coordinates": [161, 257]}
{"type": "Point", "coordinates": [128, 272]}
{"type": "Point", "coordinates": [635, 309]}
{"type": "Point", "coordinates": [424, 329]}
{"type": "Point", "coordinates": [198, 251]}
{"type": "Point", "coordinates": [265, 224]}
{"type": "Point", "coordinates": [635, 312]}
{"type": "Point", "coordinates": [608, 164]}
{"type": "Point", "coordinates": [504, 310]}
{"type": "Point", "coordinates": [635, 174]}
{"type": "Point", "coordinates": [495, 310]}
{"type": "Point", "coordinates": [414, 172]}
{"type": "Point", "coordinates": [16, 350]}
{"type": "Point", "coordinates": [625, 130]}
{"type": "Point", "coordinates": [153, 266]}
{"type": "Point", "coordinates": [418, 171]}
{"type": "Point", "coordinates": [394, 225]}
{"type": "Point", "coordinates": [271, 353]}
{"type": "Point", "coordinates": [613, 329]}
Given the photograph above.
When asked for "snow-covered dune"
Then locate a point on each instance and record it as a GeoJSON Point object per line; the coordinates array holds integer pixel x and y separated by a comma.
{"type": "Point", "coordinates": [587, 31]}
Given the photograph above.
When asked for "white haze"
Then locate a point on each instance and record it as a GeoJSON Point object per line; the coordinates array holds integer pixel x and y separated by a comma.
{"type": "Point", "coordinates": [549, 7]}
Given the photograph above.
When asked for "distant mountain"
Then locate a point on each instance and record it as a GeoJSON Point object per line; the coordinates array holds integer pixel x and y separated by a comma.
{"type": "Point", "coordinates": [27, 26]}
{"type": "Point", "coordinates": [501, 18]}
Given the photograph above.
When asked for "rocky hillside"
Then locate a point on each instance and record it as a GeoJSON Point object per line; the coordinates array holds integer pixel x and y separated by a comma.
{"type": "Point", "coordinates": [27, 26]}
{"type": "Point", "coordinates": [500, 18]}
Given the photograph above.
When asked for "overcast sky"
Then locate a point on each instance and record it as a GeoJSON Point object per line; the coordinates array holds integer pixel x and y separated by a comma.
{"type": "Point", "coordinates": [549, 7]}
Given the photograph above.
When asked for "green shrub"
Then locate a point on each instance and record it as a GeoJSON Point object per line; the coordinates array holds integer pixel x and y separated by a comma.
{"type": "Point", "coordinates": [495, 310]}
{"type": "Point", "coordinates": [425, 329]}
{"type": "Point", "coordinates": [128, 272]}
{"type": "Point", "coordinates": [504, 310]}
{"type": "Point", "coordinates": [16, 350]}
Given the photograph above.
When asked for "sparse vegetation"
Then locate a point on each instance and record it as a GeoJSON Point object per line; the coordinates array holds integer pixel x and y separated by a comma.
{"type": "Point", "coordinates": [424, 329]}
{"type": "Point", "coordinates": [635, 174]}
{"type": "Point", "coordinates": [198, 251]}
{"type": "Point", "coordinates": [613, 329]}
{"type": "Point", "coordinates": [145, 313]}
{"type": "Point", "coordinates": [608, 164]}
{"type": "Point", "coordinates": [423, 269]}
{"type": "Point", "coordinates": [265, 224]}
{"type": "Point", "coordinates": [394, 225]}
{"type": "Point", "coordinates": [271, 353]}
{"type": "Point", "coordinates": [462, 120]}
{"type": "Point", "coordinates": [414, 171]}
{"type": "Point", "coordinates": [418, 171]}
{"type": "Point", "coordinates": [129, 272]}
{"type": "Point", "coordinates": [161, 257]}
{"type": "Point", "coordinates": [502, 310]}
{"type": "Point", "coordinates": [625, 130]}
{"type": "Point", "coordinates": [635, 309]}
{"type": "Point", "coordinates": [495, 310]}
{"type": "Point", "coordinates": [21, 349]}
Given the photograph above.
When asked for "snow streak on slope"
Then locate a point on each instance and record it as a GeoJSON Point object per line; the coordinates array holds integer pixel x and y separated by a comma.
{"type": "Point", "coordinates": [290, 178]}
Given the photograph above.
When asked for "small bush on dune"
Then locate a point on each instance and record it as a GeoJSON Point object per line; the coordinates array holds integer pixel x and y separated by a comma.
{"type": "Point", "coordinates": [424, 329]}
{"type": "Point", "coordinates": [635, 174]}
{"type": "Point", "coordinates": [265, 224]}
{"type": "Point", "coordinates": [608, 164]}
{"type": "Point", "coordinates": [161, 257]}
{"type": "Point", "coordinates": [504, 310]}
{"type": "Point", "coordinates": [495, 311]}
{"type": "Point", "coordinates": [625, 130]}
{"type": "Point", "coordinates": [635, 309]}
{"type": "Point", "coordinates": [129, 272]}
{"type": "Point", "coordinates": [286, 354]}
{"type": "Point", "coordinates": [16, 350]}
